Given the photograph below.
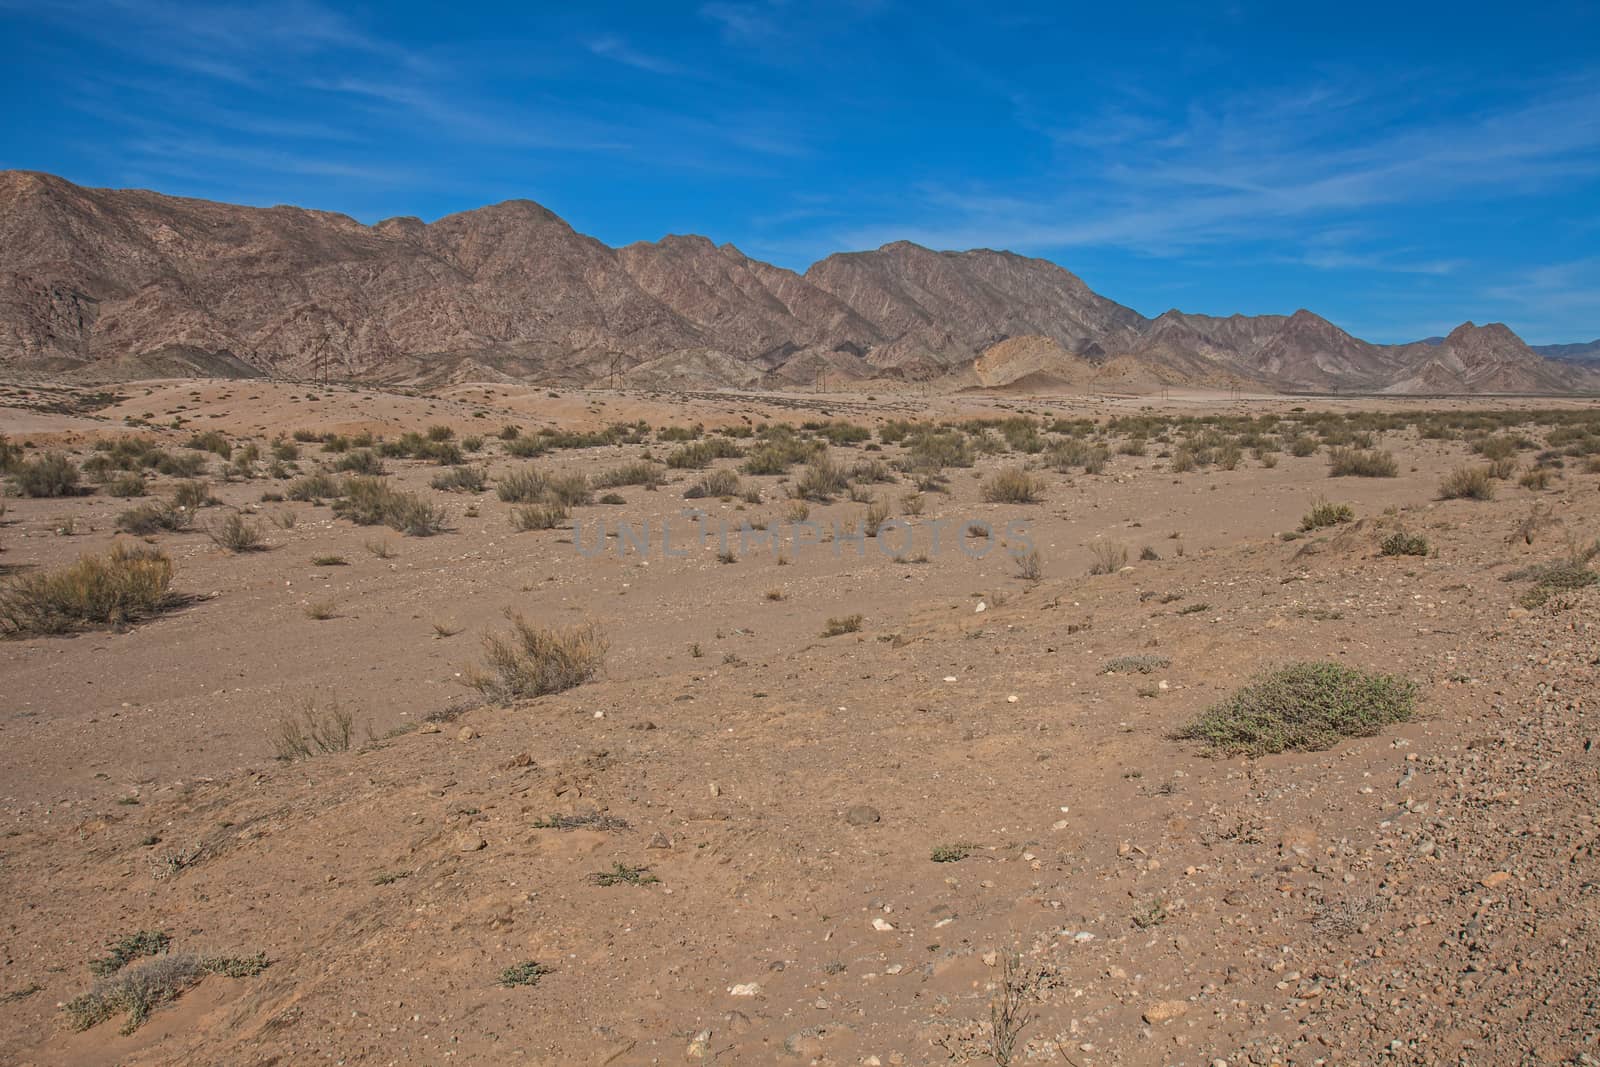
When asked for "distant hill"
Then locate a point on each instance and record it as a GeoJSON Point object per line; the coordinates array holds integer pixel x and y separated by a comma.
{"type": "Point", "coordinates": [131, 283]}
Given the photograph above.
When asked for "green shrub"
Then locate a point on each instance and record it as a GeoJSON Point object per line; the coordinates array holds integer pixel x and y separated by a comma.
{"type": "Point", "coordinates": [213, 442]}
{"type": "Point", "coordinates": [372, 502]}
{"type": "Point", "coordinates": [1303, 707]}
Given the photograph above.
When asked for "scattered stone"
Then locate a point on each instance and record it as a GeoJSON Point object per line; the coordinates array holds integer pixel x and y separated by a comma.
{"type": "Point", "coordinates": [467, 841]}
{"type": "Point", "coordinates": [428, 728]}
{"type": "Point", "coordinates": [466, 733]}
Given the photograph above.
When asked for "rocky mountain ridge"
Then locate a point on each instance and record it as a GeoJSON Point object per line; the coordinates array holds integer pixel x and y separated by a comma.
{"type": "Point", "coordinates": [132, 283]}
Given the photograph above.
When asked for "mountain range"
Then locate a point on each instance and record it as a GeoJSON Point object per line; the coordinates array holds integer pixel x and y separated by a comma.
{"type": "Point", "coordinates": [102, 283]}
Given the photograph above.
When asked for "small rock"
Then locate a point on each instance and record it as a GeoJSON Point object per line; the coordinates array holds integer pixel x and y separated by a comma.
{"type": "Point", "coordinates": [1498, 878]}
{"type": "Point", "coordinates": [745, 989]}
{"type": "Point", "coordinates": [716, 790]}
{"type": "Point", "coordinates": [467, 841]}
{"type": "Point", "coordinates": [428, 728]}
{"type": "Point", "coordinates": [882, 925]}
{"type": "Point", "coordinates": [862, 815]}
{"type": "Point", "coordinates": [660, 840]}
{"type": "Point", "coordinates": [466, 733]}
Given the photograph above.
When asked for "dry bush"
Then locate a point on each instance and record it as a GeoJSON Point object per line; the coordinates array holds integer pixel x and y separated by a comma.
{"type": "Point", "coordinates": [313, 488]}
{"type": "Point", "coordinates": [237, 534]}
{"type": "Point", "coordinates": [640, 472]}
{"type": "Point", "coordinates": [131, 582]}
{"type": "Point", "coordinates": [1468, 483]}
{"type": "Point", "coordinates": [371, 501]}
{"type": "Point", "coordinates": [522, 486]}
{"type": "Point", "coordinates": [534, 660]}
{"type": "Point", "coordinates": [1109, 557]}
{"type": "Point", "coordinates": [1359, 463]}
{"type": "Point", "coordinates": [1139, 663]}
{"type": "Point", "coordinates": [877, 514]}
{"type": "Point", "coordinates": [459, 480]}
{"type": "Point", "coordinates": [1537, 478]}
{"type": "Point", "coordinates": [192, 495]}
{"type": "Point", "coordinates": [1030, 567]}
{"type": "Point", "coordinates": [538, 517]}
{"type": "Point", "coordinates": [913, 503]}
{"type": "Point", "coordinates": [847, 624]}
{"type": "Point", "coordinates": [716, 484]}
{"type": "Point", "coordinates": [1323, 514]}
{"type": "Point", "coordinates": [139, 990]}
{"type": "Point", "coordinates": [1401, 543]}
{"type": "Point", "coordinates": [51, 475]}
{"type": "Point", "coordinates": [153, 517]}
{"type": "Point", "coordinates": [1008, 1011]}
{"type": "Point", "coordinates": [127, 485]}
{"type": "Point", "coordinates": [1013, 486]}
{"type": "Point", "coordinates": [309, 731]}
{"type": "Point", "coordinates": [822, 481]}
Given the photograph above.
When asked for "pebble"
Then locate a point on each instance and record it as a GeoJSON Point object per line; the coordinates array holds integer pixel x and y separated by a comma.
{"type": "Point", "coordinates": [466, 733]}
{"type": "Point", "coordinates": [1165, 1011]}
{"type": "Point", "coordinates": [467, 841]}
{"type": "Point", "coordinates": [862, 815]}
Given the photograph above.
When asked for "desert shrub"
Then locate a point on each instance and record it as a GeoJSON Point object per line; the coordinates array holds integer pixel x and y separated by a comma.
{"type": "Point", "coordinates": [876, 515]}
{"type": "Point", "coordinates": [1029, 565]}
{"type": "Point", "coordinates": [460, 480]}
{"type": "Point", "coordinates": [822, 480]}
{"type": "Point", "coordinates": [846, 624]}
{"type": "Point", "coordinates": [1304, 707]}
{"type": "Point", "coordinates": [309, 730]}
{"type": "Point", "coordinates": [640, 472]}
{"type": "Point", "coordinates": [869, 471]}
{"type": "Point", "coordinates": [131, 582]}
{"type": "Point", "coordinates": [1467, 483]}
{"type": "Point", "coordinates": [140, 989]}
{"type": "Point", "coordinates": [213, 442]}
{"type": "Point", "coordinates": [1141, 663]}
{"type": "Point", "coordinates": [533, 660]}
{"type": "Point", "coordinates": [362, 461]}
{"type": "Point", "coordinates": [191, 495]}
{"type": "Point", "coordinates": [1358, 463]}
{"type": "Point", "coordinates": [285, 451]}
{"type": "Point", "coordinates": [153, 517]}
{"type": "Point", "coordinates": [913, 504]}
{"type": "Point", "coordinates": [313, 487]}
{"type": "Point", "coordinates": [933, 450]}
{"type": "Point", "coordinates": [716, 484]}
{"type": "Point", "coordinates": [440, 433]}
{"type": "Point", "coordinates": [522, 486]}
{"type": "Point", "coordinates": [236, 534]}
{"type": "Point", "coordinates": [50, 475]}
{"type": "Point", "coordinates": [1323, 514]}
{"type": "Point", "coordinates": [523, 447]}
{"type": "Point", "coordinates": [527, 517]}
{"type": "Point", "coordinates": [1537, 478]}
{"type": "Point", "coordinates": [1013, 486]}
{"type": "Point", "coordinates": [777, 455]}
{"type": "Point", "coordinates": [1401, 543]}
{"type": "Point", "coordinates": [10, 455]}
{"type": "Point", "coordinates": [127, 485]}
{"type": "Point", "coordinates": [182, 465]}
{"type": "Point", "coordinates": [1502, 469]}
{"type": "Point", "coordinates": [568, 490]}
{"type": "Point", "coordinates": [698, 455]}
{"type": "Point", "coordinates": [129, 947]}
{"type": "Point", "coordinates": [678, 434]}
{"type": "Point", "coordinates": [372, 502]}
{"type": "Point", "coordinates": [1109, 557]}
{"type": "Point", "coordinates": [1302, 446]}
{"type": "Point", "coordinates": [1561, 575]}
{"type": "Point", "coordinates": [843, 433]}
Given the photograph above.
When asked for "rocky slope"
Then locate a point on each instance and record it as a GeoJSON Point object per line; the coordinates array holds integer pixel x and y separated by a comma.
{"type": "Point", "coordinates": [130, 283]}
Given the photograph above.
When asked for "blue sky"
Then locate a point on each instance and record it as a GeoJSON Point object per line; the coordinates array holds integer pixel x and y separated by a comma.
{"type": "Point", "coordinates": [1398, 168]}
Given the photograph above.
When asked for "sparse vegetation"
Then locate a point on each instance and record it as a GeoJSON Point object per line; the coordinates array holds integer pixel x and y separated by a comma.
{"type": "Point", "coordinates": [237, 534]}
{"type": "Point", "coordinates": [1304, 707]}
{"type": "Point", "coordinates": [845, 624]}
{"type": "Point", "coordinates": [139, 990]}
{"type": "Point", "coordinates": [50, 475]}
{"type": "Point", "coordinates": [533, 660]}
{"type": "Point", "coordinates": [1359, 463]}
{"type": "Point", "coordinates": [623, 874]}
{"type": "Point", "coordinates": [1141, 663]}
{"type": "Point", "coordinates": [129, 583]}
{"type": "Point", "coordinates": [310, 730]}
{"type": "Point", "coordinates": [1109, 557]}
{"type": "Point", "coordinates": [1013, 486]}
{"type": "Point", "coordinates": [527, 973]}
{"type": "Point", "coordinates": [1468, 483]}
{"type": "Point", "coordinates": [1324, 514]}
{"type": "Point", "coordinates": [1401, 543]}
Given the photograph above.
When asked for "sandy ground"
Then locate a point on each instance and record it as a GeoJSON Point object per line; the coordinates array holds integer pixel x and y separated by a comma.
{"type": "Point", "coordinates": [1423, 896]}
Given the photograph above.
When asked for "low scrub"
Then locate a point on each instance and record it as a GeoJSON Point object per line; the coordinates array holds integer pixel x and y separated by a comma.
{"type": "Point", "coordinates": [822, 481]}
{"type": "Point", "coordinates": [154, 517]}
{"type": "Point", "coordinates": [534, 660]}
{"type": "Point", "coordinates": [459, 480]}
{"type": "Point", "coordinates": [1142, 663]}
{"type": "Point", "coordinates": [1468, 483]}
{"type": "Point", "coordinates": [237, 534]}
{"type": "Point", "coordinates": [1324, 514]}
{"type": "Point", "coordinates": [310, 731]}
{"type": "Point", "coordinates": [715, 484]}
{"type": "Point", "coordinates": [1401, 543]}
{"type": "Point", "coordinates": [51, 475]}
{"type": "Point", "coordinates": [1109, 557]}
{"type": "Point", "coordinates": [1361, 463]}
{"type": "Point", "coordinates": [372, 502]}
{"type": "Point", "coordinates": [1304, 707]}
{"type": "Point", "coordinates": [129, 583]}
{"type": "Point", "coordinates": [1013, 486]}
{"type": "Point", "coordinates": [138, 990]}
{"type": "Point", "coordinates": [846, 624]}
{"type": "Point", "coordinates": [538, 517]}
